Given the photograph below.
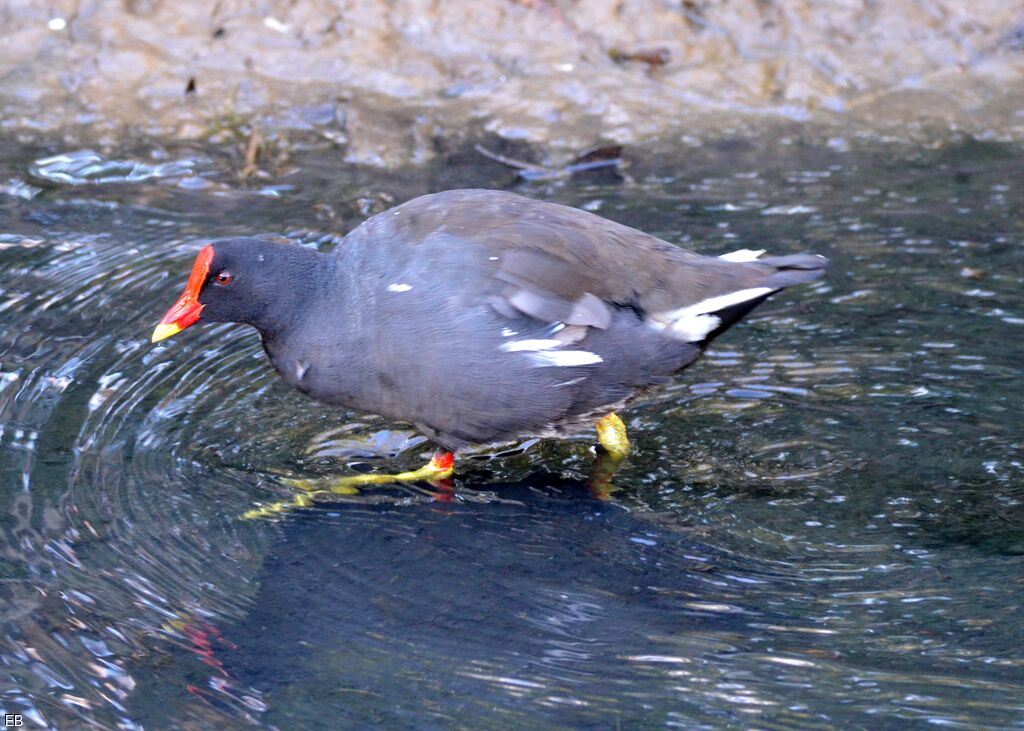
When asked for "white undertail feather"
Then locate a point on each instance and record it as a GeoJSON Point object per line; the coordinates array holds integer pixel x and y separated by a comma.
{"type": "Point", "coordinates": [742, 255]}
{"type": "Point", "coordinates": [694, 328]}
{"type": "Point", "coordinates": [695, 322]}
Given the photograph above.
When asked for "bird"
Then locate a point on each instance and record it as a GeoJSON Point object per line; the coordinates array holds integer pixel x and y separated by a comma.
{"type": "Point", "coordinates": [481, 316]}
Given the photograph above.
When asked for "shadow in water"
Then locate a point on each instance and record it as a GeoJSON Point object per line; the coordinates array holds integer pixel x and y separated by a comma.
{"type": "Point", "coordinates": [505, 607]}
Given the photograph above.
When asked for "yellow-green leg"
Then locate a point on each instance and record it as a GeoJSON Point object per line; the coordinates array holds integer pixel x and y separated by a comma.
{"type": "Point", "coordinates": [438, 468]}
{"type": "Point", "coordinates": [611, 434]}
{"type": "Point", "coordinates": [302, 500]}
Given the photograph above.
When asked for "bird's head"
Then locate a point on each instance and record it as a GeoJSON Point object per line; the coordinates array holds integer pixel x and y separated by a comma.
{"type": "Point", "coordinates": [250, 280]}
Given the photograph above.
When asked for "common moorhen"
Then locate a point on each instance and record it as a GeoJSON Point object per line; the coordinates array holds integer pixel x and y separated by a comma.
{"type": "Point", "coordinates": [481, 316]}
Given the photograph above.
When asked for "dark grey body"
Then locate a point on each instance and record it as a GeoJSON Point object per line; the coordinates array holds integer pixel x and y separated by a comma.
{"type": "Point", "coordinates": [408, 317]}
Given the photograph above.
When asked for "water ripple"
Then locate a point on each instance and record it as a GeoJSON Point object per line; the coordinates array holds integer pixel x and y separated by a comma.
{"type": "Point", "coordinates": [819, 526]}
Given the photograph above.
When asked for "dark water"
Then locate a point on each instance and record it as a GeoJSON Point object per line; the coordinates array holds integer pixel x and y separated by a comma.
{"type": "Point", "coordinates": [822, 527]}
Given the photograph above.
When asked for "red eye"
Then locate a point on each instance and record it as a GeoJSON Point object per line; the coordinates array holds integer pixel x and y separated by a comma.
{"type": "Point", "coordinates": [224, 278]}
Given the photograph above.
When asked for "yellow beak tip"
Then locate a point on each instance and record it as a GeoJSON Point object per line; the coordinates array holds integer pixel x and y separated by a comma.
{"type": "Point", "coordinates": [164, 331]}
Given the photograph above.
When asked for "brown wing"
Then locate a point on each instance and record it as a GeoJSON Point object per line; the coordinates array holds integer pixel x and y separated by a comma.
{"type": "Point", "coordinates": [562, 264]}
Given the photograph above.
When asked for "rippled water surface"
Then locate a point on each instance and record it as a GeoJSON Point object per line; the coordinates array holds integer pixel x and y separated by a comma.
{"type": "Point", "coordinates": [822, 526]}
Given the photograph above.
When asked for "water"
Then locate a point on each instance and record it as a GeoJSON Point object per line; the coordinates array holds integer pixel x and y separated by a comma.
{"type": "Point", "coordinates": [822, 526]}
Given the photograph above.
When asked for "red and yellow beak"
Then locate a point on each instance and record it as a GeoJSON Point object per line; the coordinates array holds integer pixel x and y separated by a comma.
{"type": "Point", "coordinates": [186, 310]}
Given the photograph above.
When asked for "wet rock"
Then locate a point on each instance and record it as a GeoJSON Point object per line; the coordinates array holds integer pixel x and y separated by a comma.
{"type": "Point", "coordinates": [649, 56]}
{"type": "Point", "coordinates": [555, 74]}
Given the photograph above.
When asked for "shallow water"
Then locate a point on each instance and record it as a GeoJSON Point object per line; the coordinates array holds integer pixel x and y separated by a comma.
{"type": "Point", "coordinates": [822, 526]}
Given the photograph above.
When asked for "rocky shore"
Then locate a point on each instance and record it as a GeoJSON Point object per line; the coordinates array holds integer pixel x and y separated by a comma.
{"type": "Point", "coordinates": [387, 80]}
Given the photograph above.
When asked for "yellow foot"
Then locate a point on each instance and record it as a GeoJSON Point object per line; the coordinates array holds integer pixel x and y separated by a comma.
{"type": "Point", "coordinates": [611, 433]}
{"type": "Point", "coordinates": [437, 469]}
{"type": "Point", "coordinates": [272, 509]}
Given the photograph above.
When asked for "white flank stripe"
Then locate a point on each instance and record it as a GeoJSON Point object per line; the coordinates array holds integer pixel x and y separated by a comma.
{"type": "Point", "coordinates": [742, 255]}
{"type": "Point", "coordinates": [565, 358]}
{"type": "Point", "coordinates": [399, 287]}
{"type": "Point", "coordinates": [545, 352]}
{"type": "Point", "coordinates": [530, 345]}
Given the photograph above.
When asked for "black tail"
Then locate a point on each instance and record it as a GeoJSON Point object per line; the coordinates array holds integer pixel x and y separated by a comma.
{"type": "Point", "coordinates": [789, 271]}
